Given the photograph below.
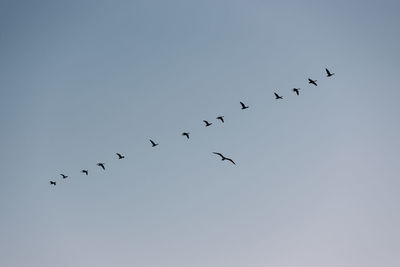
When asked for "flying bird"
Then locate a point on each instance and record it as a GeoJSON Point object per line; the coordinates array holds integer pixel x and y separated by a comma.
{"type": "Point", "coordinates": [186, 134]}
{"type": "Point", "coordinates": [314, 82]}
{"type": "Point", "coordinates": [296, 90]}
{"type": "Point", "coordinates": [53, 183]}
{"type": "Point", "coordinates": [277, 96]}
{"type": "Point", "coordinates": [207, 123]}
{"type": "Point", "coordinates": [243, 105]}
{"type": "Point", "coordinates": [64, 176]}
{"type": "Point", "coordinates": [120, 156]}
{"type": "Point", "coordinates": [221, 118]}
{"type": "Point", "coordinates": [101, 164]}
{"type": "Point", "coordinates": [153, 144]}
{"type": "Point", "coordinates": [328, 73]}
{"type": "Point", "coordinates": [224, 158]}
{"type": "Point", "coordinates": [85, 172]}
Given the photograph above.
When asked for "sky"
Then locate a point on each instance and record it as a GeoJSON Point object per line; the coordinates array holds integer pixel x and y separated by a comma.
{"type": "Point", "coordinates": [317, 175]}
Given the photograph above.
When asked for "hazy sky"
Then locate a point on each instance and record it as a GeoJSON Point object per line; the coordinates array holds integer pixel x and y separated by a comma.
{"type": "Point", "coordinates": [317, 177]}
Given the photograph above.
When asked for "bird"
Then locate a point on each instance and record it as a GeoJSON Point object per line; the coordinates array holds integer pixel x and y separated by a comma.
{"type": "Point", "coordinates": [186, 134]}
{"type": "Point", "coordinates": [85, 172]}
{"type": "Point", "coordinates": [243, 105]}
{"type": "Point", "coordinates": [296, 90]}
{"type": "Point", "coordinates": [207, 123]}
{"type": "Point", "coordinates": [153, 144]}
{"type": "Point", "coordinates": [224, 158]}
{"type": "Point", "coordinates": [53, 183]}
{"type": "Point", "coordinates": [277, 96]}
{"type": "Point", "coordinates": [64, 176]}
{"type": "Point", "coordinates": [314, 82]}
{"type": "Point", "coordinates": [101, 164]}
{"type": "Point", "coordinates": [221, 118]}
{"type": "Point", "coordinates": [328, 73]}
{"type": "Point", "coordinates": [120, 156]}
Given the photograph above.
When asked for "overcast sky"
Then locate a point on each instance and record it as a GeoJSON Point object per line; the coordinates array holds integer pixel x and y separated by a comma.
{"type": "Point", "coordinates": [317, 177]}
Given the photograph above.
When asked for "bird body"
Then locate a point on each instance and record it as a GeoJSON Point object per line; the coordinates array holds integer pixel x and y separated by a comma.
{"type": "Point", "coordinates": [328, 73]}
{"type": "Point", "coordinates": [120, 156]}
{"type": "Point", "coordinates": [221, 118]}
{"type": "Point", "coordinates": [207, 123]}
{"type": "Point", "coordinates": [243, 105]}
{"type": "Point", "coordinates": [101, 164]}
{"type": "Point", "coordinates": [314, 82]}
{"type": "Point", "coordinates": [85, 172]}
{"type": "Point", "coordinates": [153, 144]}
{"type": "Point", "coordinates": [186, 134]}
{"type": "Point", "coordinates": [278, 96]}
{"type": "Point", "coordinates": [296, 90]}
{"type": "Point", "coordinates": [224, 158]}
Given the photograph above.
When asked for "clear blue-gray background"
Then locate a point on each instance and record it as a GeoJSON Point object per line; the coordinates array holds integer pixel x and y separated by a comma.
{"type": "Point", "coordinates": [317, 177]}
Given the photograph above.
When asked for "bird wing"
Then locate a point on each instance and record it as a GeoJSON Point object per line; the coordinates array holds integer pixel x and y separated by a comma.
{"type": "Point", "coordinates": [327, 71]}
{"type": "Point", "coordinates": [243, 105]}
{"type": "Point", "coordinates": [276, 95]}
{"type": "Point", "coordinates": [231, 160]}
{"type": "Point", "coordinates": [119, 155]}
{"type": "Point", "coordinates": [152, 142]}
{"type": "Point", "coordinates": [219, 154]}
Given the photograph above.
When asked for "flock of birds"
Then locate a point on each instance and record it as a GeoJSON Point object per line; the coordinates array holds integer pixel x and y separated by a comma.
{"type": "Point", "coordinates": [207, 124]}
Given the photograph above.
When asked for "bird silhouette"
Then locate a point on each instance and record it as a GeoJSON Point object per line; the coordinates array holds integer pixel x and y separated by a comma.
{"type": "Point", "coordinates": [63, 176]}
{"type": "Point", "coordinates": [207, 123]}
{"type": "Point", "coordinates": [296, 90]}
{"type": "Point", "coordinates": [243, 105]}
{"type": "Point", "coordinates": [186, 134]}
{"type": "Point", "coordinates": [277, 96]}
{"type": "Point", "coordinates": [101, 164]}
{"type": "Point", "coordinates": [153, 144]}
{"type": "Point", "coordinates": [85, 172]}
{"type": "Point", "coordinates": [221, 118]}
{"type": "Point", "coordinates": [224, 158]}
{"type": "Point", "coordinates": [53, 183]}
{"type": "Point", "coordinates": [328, 73]}
{"type": "Point", "coordinates": [120, 156]}
{"type": "Point", "coordinates": [314, 82]}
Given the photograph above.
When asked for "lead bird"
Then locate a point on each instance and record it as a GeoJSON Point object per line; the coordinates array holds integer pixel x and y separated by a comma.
{"type": "Point", "coordinates": [207, 123]}
{"type": "Point", "coordinates": [296, 90]}
{"type": "Point", "coordinates": [278, 96]}
{"type": "Point", "coordinates": [101, 164]}
{"type": "Point", "coordinates": [328, 73]}
{"type": "Point", "coordinates": [120, 156]}
{"type": "Point", "coordinates": [153, 144]}
{"type": "Point", "coordinates": [314, 82]}
{"type": "Point", "coordinates": [224, 158]}
{"type": "Point", "coordinates": [64, 176]}
{"type": "Point", "coordinates": [186, 134]}
{"type": "Point", "coordinates": [243, 105]}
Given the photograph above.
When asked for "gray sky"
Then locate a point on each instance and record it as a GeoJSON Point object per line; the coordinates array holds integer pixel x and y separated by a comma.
{"type": "Point", "coordinates": [317, 175]}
